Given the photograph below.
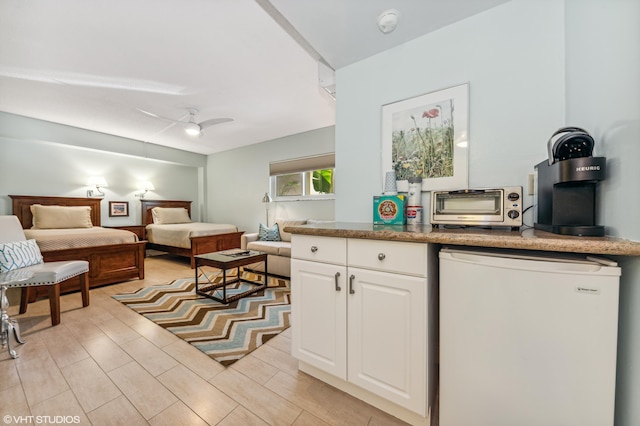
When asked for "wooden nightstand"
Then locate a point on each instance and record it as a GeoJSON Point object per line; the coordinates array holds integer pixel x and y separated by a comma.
{"type": "Point", "coordinates": [139, 230]}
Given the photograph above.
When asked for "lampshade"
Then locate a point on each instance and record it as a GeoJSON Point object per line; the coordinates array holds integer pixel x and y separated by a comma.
{"type": "Point", "coordinates": [146, 185]}
{"type": "Point", "coordinates": [97, 181]}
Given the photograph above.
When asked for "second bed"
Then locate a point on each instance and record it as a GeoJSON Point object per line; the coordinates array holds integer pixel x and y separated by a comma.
{"type": "Point", "coordinates": [169, 229]}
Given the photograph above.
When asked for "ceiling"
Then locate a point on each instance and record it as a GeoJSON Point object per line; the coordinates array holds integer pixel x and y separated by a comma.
{"type": "Point", "coordinates": [96, 65]}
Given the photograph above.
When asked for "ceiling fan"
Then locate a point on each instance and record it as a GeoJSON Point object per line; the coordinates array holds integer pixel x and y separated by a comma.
{"type": "Point", "coordinates": [191, 127]}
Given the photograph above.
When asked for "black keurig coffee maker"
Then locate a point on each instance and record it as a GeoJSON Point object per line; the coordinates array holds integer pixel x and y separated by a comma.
{"type": "Point", "coordinates": [566, 186]}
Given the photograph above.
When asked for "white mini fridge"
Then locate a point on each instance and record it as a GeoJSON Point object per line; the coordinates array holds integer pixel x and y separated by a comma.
{"type": "Point", "coordinates": [527, 338]}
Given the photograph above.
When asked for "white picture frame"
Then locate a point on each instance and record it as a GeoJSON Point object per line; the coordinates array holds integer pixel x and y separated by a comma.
{"type": "Point", "coordinates": [428, 136]}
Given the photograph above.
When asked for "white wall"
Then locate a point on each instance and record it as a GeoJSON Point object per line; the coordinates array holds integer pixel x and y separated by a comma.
{"type": "Point", "coordinates": [238, 179]}
{"type": "Point", "coordinates": [532, 66]}
{"type": "Point", "coordinates": [43, 158]}
{"type": "Point", "coordinates": [512, 56]}
{"type": "Point", "coordinates": [603, 96]}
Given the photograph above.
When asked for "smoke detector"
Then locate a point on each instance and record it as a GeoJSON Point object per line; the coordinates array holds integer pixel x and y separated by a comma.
{"type": "Point", "coordinates": [388, 20]}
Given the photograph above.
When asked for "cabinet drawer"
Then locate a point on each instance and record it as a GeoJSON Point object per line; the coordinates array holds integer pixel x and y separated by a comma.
{"type": "Point", "coordinates": [319, 249]}
{"type": "Point", "coordinates": [389, 256]}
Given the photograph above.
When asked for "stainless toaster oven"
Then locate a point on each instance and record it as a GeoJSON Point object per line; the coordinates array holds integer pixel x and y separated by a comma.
{"type": "Point", "coordinates": [478, 207]}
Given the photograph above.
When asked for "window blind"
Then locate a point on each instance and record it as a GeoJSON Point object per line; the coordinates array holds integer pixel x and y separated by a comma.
{"type": "Point", "coordinates": [304, 164]}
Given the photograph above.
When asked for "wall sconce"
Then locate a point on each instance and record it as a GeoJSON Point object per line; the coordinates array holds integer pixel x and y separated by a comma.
{"type": "Point", "coordinates": [266, 200]}
{"type": "Point", "coordinates": [145, 186]}
{"type": "Point", "coordinates": [98, 182]}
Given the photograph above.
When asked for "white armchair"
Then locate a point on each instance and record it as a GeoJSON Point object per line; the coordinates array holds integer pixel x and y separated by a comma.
{"type": "Point", "coordinates": [13, 246]}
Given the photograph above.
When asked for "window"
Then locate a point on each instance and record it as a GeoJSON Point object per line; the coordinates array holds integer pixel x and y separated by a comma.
{"type": "Point", "coordinates": [303, 178]}
{"type": "Point", "coordinates": [288, 185]}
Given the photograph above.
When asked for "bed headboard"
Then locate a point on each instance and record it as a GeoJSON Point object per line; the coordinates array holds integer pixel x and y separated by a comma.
{"type": "Point", "coordinates": [22, 204]}
{"type": "Point", "coordinates": [147, 205]}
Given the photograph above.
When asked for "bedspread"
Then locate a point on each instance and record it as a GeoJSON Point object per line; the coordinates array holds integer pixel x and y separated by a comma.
{"type": "Point", "coordinates": [179, 234]}
{"type": "Point", "coordinates": [61, 239]}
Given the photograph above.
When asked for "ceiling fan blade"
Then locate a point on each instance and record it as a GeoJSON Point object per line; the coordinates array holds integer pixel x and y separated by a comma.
{"type": "Point", "coordinates": [151, 114]}
{"type": "Point", "coordinates": [164, 129]}
{"type": "Point", "coordinates": [214, 121]}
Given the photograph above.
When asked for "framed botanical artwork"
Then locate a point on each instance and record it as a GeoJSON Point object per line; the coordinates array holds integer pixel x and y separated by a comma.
{"type": "Point", "coordinates": [118, 208]}
{"type": "Point", "coordinates": [428, 136]}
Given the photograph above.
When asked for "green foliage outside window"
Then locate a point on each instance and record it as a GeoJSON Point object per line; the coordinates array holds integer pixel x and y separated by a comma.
{"type": "Point", "coordinates": [323, 181]}
{"type": "Point", "coordinates": [289, 185]}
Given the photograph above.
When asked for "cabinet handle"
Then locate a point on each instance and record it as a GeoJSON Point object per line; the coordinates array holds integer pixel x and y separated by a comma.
{"type": "Point", "coordinates": [337, 276]}
{"type": "Point", "coordinates": [351, 290]}
{"type": "Point", "coordinates": [381, 256]}
{"type": "Point", "coordinates": [314, 249]}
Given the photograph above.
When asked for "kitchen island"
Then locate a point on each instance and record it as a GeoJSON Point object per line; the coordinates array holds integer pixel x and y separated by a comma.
{"type": "Point", "coordinates": [365, 303]}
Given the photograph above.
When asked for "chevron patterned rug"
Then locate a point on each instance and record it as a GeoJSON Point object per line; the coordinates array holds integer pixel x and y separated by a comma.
{"type": "Point", "coordinates": [224, 332]}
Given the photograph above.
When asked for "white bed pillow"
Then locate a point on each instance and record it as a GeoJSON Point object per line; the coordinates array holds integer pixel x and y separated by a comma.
{"type": "Point", "coordinates": [60, 217]}
{"type": "Point", "coordinates": [167, 215]}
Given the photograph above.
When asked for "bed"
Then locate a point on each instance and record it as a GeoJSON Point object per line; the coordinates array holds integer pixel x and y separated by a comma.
{"type": "Point", "coordinates": [118, 255]}
{"type": "Point", "coordinates": [186, 239]}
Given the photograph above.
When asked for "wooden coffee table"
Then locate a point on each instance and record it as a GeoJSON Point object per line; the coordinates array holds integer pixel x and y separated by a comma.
{"type": "Point", "coordinates": [226, 260]}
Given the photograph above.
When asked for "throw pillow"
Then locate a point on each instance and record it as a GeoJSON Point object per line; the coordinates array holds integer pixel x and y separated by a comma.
{"type": "Point", "coordinates": [283, 223]}
{"type": "Point", "coordinates": [19, 254]}
{"type": "Point", "coordinates": [268, 234]}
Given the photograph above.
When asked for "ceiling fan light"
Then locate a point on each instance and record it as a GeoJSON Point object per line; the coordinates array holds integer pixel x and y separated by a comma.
{"type": "Point", "coordinates": [192, 129]}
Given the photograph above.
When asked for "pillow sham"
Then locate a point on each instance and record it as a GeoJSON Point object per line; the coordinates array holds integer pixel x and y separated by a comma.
{"type": "Point", "coordinates": [266, 233]}
{"type": "Point", "coordinates": [19, 254]}
{"type": "Point", "coordinates": [167, 215]}
{"type": "Point", "coordinates": [60, 217]}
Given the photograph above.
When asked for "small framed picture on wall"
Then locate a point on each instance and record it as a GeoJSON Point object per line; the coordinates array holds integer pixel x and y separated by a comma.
{"type": "Point", "coordinates": [118, 208]}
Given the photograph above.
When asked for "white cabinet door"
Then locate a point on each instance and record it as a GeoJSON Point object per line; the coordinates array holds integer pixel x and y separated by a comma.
{"type": "Point", "coordinates": [319, 315]}
{"type": "Point", "coordinates": [387, 334]}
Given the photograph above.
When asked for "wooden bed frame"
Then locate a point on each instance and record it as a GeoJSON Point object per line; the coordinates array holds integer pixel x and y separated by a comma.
{"type": "Point", "coordinates": [199, 245]}
{"type": "Point", "coordinates": [107, 264]}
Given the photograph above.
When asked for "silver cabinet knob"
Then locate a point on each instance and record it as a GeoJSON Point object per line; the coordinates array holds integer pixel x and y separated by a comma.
{"type": "Point", "coordinates": [314, 249]}
{"type": "Point", "coordinates": [381, 256]}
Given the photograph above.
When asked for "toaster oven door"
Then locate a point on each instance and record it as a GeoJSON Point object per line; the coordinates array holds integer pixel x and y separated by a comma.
{"type": "Point", "coordinates": [474, 207]}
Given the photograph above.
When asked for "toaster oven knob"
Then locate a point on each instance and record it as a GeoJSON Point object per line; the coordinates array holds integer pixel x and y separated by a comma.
{"type": "Point", "coordinates": [513, 214]}
{"type": "Point", "coordinates": [514, 196]}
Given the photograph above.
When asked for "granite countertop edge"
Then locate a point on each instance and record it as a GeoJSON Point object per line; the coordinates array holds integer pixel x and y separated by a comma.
{"type": "Point", "coordinates": [527, 239]}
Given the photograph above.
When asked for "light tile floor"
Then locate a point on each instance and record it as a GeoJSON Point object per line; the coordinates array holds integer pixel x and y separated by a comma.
{"type": "Point", "coordinates": [106, 365]}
